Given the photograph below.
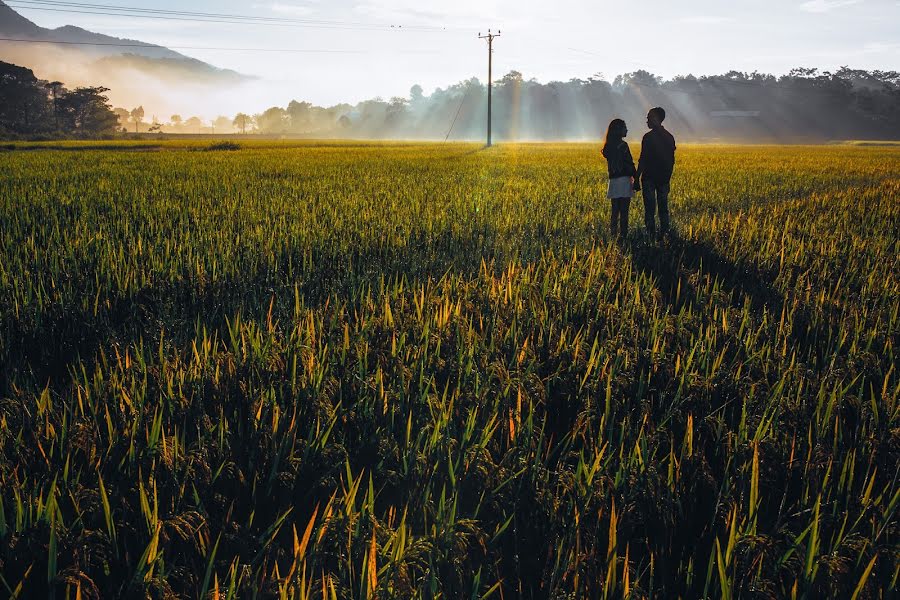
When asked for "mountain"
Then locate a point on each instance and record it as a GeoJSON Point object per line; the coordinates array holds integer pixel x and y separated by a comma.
{"type": "Point", "coordinates": [116, 52]}
{"type": "Point", "coordinates": [13, 24]}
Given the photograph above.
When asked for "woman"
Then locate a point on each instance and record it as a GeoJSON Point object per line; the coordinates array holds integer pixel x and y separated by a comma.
{"type": "Point", "coordinates": [621, 175]}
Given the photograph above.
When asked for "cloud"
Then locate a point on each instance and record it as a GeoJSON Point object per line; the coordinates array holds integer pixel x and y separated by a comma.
{"type": "Point", "coordinates": [296, 10]}
{"type": "Point", "coordinates": [881, 47]}
{"type": "Point", "coordinates": [824, 6]}
{"type": "Point", "coordinates": [705, 20]}
{"type": "Point", "coordinates": [471, 14]}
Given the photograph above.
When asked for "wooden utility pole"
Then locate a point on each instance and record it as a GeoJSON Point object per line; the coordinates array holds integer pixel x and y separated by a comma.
{"type": "Point", "coordinates": [490, 41]}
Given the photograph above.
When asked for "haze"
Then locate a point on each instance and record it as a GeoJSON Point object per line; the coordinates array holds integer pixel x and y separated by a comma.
{"type": "Point", "coordinates": [567, 39]}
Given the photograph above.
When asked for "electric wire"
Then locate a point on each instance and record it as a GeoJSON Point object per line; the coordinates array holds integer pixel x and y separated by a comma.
{"type": "Point", "coordinates": [214, 48]}
{"type": "Point", "coordinates": [461, 102]}
{"type": "Point", "coordinates": [120, 8]}
{"type": "Point", "coordinates": [226, 18]}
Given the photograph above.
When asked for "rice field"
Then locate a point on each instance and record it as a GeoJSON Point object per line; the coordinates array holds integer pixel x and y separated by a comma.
{"type": "Point", "coordinates": [339, 370]}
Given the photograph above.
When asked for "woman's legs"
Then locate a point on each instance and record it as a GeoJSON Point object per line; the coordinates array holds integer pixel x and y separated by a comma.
{"type": "Point", "coordinates": [619, 219]}
{"type": "Point", "coordinates": [614, 216]}
{"type": "Point", "coordinates": [623, 216]}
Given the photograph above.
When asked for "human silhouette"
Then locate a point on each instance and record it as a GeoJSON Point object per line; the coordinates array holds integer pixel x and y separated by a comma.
{"type": "Point", "coordinates": [654, 171]}
{"type": "Point", "coordinates": [621, 169]}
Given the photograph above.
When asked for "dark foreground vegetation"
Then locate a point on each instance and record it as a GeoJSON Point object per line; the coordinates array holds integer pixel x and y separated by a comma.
{"type": "Point", "coordinates": [398, 371]}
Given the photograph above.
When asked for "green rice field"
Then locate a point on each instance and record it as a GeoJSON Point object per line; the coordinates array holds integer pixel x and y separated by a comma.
{"type": "Point", "coordinates": [388, 370]}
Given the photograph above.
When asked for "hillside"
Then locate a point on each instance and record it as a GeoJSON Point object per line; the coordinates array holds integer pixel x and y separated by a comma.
{"type": "Point", "coordinates": [83, 46]}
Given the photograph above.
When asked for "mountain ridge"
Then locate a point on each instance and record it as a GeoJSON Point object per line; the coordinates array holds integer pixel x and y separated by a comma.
{"type": "Point", "coordinates": [14, 25]}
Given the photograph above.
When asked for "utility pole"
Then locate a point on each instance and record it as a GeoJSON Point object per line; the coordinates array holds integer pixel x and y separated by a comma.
{"type": "Point", "coordinates": [490, 41]}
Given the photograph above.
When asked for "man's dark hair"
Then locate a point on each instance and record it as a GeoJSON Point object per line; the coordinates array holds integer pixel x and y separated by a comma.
{"type": "Point", "coordinates": [660, 113]}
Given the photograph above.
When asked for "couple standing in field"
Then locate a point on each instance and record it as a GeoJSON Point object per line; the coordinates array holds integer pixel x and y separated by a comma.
{"type": "Point", "coordinates": [653, 173]}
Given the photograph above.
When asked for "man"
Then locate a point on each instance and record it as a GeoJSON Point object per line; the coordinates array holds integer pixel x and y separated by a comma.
{"type": "Point", "coordinates": [654, 171]}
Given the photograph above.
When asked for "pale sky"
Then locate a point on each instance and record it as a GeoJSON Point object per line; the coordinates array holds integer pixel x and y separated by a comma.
{"type": "Point", "coordinates": [547, 40]}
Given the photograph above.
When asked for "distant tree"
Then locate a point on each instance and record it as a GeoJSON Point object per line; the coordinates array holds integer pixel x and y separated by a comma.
{"type": "Point", "coordinates": [56, 89]}
{"type": "Point", "coordinates": [123, 115]}
{"type": "Point", "coordinates": [242, 121]}
{"type": "Point", "coordinates": [175, 120]}
{"type": "Point", "coordinates": [396, 111]}
{"type": "Point", "coordinates": [639, 77]}
{"type": "Point", "coordinates": [222, 124]}
{"type": "Point", "coordinates": [194, 124]}
{"type": "Point", "coordinates": [86, 111]}
{"type": "Point", "coordinates": [416, 95]}
{"type": "Point", "coordinates": [273, 120]}
{"type": "Point", "coordinates": [24, 104]}
{"type": "Point", "coordinates": [511, 78]}
{"type": "Point", "coordinates": [300, 115]}
{"type": "Point", "coordinates": [137, 115]}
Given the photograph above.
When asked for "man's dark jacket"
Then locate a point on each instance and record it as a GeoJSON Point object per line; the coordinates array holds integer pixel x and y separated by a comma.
{"type": "Point", "coordinates": [657, 159]}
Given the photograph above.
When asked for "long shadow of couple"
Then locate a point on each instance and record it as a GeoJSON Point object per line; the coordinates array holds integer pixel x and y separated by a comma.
{"type": "Point", "coordinates": [674, 264]}
{"type": "Point", "coordinates": [678, 266]}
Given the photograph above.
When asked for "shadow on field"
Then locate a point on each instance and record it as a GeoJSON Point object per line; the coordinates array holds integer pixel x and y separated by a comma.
{"type": "Point", "coordinates": [42, 348]}
{"type": "Point", "coordinates": [676, 266]}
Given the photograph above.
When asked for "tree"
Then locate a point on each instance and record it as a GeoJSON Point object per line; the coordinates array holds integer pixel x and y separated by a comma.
{"type": "Point", "coordinates": [639, 77]}
{"type": "Point", "coordinates": [511, 78]}
{"type": "Point", "coordinates": [137, 115]}
{"type": "Point", "coordinates": [24, 104]}
{"type": "Point", "coordinates": [175, 120]}
{"type": "Point", "coordinates": [416, 96]}
{"type": "Point", "coordinates": [300, 115]}
{"type": "Point", "coordinates": [56, 89]}
{"type": "Point", "coordinates": [273, 120]}
{"type": "Point", "coordinates": [396, 111]}
{"type": "Point", "coordinates": [86, 111]}
{"type": "Point", "coordinates": [194, 124]}
{"type": "Point", "coordinates": [123, 115]}
{"type": "Point", "coordinates": [242, 122]}
{"type": "Point", "coordinates": [222, 124]}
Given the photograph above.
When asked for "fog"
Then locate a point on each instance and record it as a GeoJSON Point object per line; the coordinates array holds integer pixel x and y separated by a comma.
{"type": "Point", "coordinates": [804, 105]}
{"type": "Point", "coordinates": [162, 86]}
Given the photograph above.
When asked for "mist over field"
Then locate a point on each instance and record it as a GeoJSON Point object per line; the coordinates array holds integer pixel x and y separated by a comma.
{"type": "Point", "coordinates": [165, 86]}
{"type": "Point", "coordinates": [805, 105]}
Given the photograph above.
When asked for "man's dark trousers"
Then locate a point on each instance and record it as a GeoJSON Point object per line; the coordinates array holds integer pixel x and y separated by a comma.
{"type": "Point", "coordinates": [656, 197]}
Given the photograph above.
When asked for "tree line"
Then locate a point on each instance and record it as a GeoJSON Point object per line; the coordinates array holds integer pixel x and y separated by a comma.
{"type": "Point", "coordinates": [803, 105]}
{"type": "Point", "coordinates": [29, 106]}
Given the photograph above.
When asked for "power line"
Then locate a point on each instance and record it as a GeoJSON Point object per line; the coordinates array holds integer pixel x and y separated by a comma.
{"type": "Point", "coordinates": [156, 47]}
{"type": "Point", "coordinates": [203, 17]}
{"type": "Point", "coordinates": [461, 102]}
{"type": "Point", "coordinates": [216, 21]}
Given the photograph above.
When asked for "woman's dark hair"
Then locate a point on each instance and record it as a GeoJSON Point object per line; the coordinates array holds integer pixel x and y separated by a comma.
{"type": "Point", "coordinates": [615, 133]}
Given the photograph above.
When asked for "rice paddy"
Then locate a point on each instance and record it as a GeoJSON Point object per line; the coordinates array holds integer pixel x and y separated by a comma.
{"type": "Point", "coordinates": [300, 370]}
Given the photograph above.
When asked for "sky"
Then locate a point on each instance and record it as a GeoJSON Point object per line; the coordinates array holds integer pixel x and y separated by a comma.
{"type": "Point", "coordinates": [549, 41]}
